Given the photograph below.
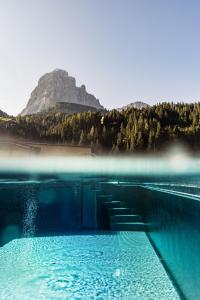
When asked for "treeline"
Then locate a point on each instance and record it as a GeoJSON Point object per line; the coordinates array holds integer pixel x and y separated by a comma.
{"type": "Point", "coordinates": [131, 130]}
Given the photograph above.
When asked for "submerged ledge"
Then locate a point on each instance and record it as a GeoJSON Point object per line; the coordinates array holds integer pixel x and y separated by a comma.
{"type": "Point", "coordinates": [173, 192]}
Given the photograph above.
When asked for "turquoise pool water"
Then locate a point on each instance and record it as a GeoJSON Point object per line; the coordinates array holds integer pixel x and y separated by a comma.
{"type": "Point", "coordinates": [57, 239]}
{"type": "Point", "coordinates": [102, 266]}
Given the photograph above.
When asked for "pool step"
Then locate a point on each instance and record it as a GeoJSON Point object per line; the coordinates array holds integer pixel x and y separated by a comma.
{"type": "Point", "coordinates": [122, 211]}
{"type": "Point", "coordinates": [127, 226]}
{"type": "Point", "coordinates": [122, 218]}
{"type": "Point", "coordinates": [125, 218]}
{"type": "Point", "coordinates": [105, 196]}
{"type": "Point", "coordinates": [113, 204]}
{"type": "Point", "coordinates": [119, 211]}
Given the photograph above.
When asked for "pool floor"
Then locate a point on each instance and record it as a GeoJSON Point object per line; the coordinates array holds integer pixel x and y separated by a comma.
{"type": "Point", "coordinates": [102, 266]}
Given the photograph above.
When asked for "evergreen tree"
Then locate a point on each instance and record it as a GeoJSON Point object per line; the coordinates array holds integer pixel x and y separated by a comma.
{"type": "Point", "coordinates": [83, 139]}
{"type": "Point", "coordinates": [131, 130]}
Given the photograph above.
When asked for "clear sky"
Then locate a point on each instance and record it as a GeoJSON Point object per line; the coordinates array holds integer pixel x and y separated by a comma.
{"type": "Point", "coordinates": [122, 50]}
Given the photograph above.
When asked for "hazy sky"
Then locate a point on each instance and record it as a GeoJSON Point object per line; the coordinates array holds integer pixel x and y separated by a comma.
{"type": "Point", "coordinates": [122, 50]}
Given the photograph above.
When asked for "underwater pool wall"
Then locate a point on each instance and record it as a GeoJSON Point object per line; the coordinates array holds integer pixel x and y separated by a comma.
{"type": "Point", "coordinates": [173, 227]}
{"type": "Point", "coordinates": [41, 209]}
{"type": "Point", "coordinates": [48, 208]}
{"type": "Point", "coordinates": [173, 223]}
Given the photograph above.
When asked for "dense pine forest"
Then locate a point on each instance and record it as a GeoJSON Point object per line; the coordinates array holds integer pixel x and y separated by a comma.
{"type": "Point", "coordinates": [133, 130]}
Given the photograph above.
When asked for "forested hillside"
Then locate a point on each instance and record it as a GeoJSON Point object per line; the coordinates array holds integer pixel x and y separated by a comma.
{"type": "Point", "coordinates": [132, 130]}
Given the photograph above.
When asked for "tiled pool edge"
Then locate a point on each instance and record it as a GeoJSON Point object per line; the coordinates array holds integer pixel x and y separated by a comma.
{"type": "Point", "coordinates": [170, 276]}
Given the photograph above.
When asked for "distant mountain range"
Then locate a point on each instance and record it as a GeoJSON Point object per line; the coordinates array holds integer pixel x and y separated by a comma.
{"type": "Point", "coordinates": [57, 92]}
{"type": "Point", "coordinates": [72, 108]}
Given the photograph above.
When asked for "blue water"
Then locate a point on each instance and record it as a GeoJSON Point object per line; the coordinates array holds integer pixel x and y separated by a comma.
{"type": "Point", "coordinates": [47, 252]}
{"type": "Point", "coordinates": [91, 266]}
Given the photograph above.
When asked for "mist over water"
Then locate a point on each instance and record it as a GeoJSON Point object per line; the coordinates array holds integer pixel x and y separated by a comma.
{"type": "Point", "coordinates": [138, 165]}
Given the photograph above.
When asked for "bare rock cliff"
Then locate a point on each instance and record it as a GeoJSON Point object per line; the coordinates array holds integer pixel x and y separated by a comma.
{"type": "Point", "coordinates": [58, 86]}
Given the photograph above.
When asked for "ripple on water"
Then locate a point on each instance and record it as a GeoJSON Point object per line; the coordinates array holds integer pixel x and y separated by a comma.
{"type": "Point", "coordinates": [122, 266]}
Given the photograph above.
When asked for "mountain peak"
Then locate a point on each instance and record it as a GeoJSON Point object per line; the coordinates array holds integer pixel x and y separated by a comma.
{"type": "Point", "coordinates": [136, 104]}
{"type": "Point", "coordinates": [58, 86]}
{"type": "Point", "coordinates": [2, 113]}
{"type": "Point", "coordinates": [59, 70]}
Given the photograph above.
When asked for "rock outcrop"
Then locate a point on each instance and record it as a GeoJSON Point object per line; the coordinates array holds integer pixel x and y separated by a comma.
{"type": "Point", "coordinates": [137, 104]}
{"type": "Point", "coordinates": [3, 114]}
{"type": "Point", "coordinates": [58, 86]}
{"type": "Point", "coordinates": [71, 108]}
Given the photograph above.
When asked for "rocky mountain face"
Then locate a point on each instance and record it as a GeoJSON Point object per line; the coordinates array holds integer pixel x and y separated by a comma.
{"type": "Point", "coordinates": [58, 87]}
{"type": "Point", "coordinates": [2, 114]}
{"type": "Point", "coordinates": [71, 108]}
{"type": "Point", "coordinates": [137, 104]}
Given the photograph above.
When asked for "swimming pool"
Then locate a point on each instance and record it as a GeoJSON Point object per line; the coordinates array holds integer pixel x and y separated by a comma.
{"type": "Point", "coordinates": [119, 265]}
{"type": "Point", "coordinates": [99, 236]}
